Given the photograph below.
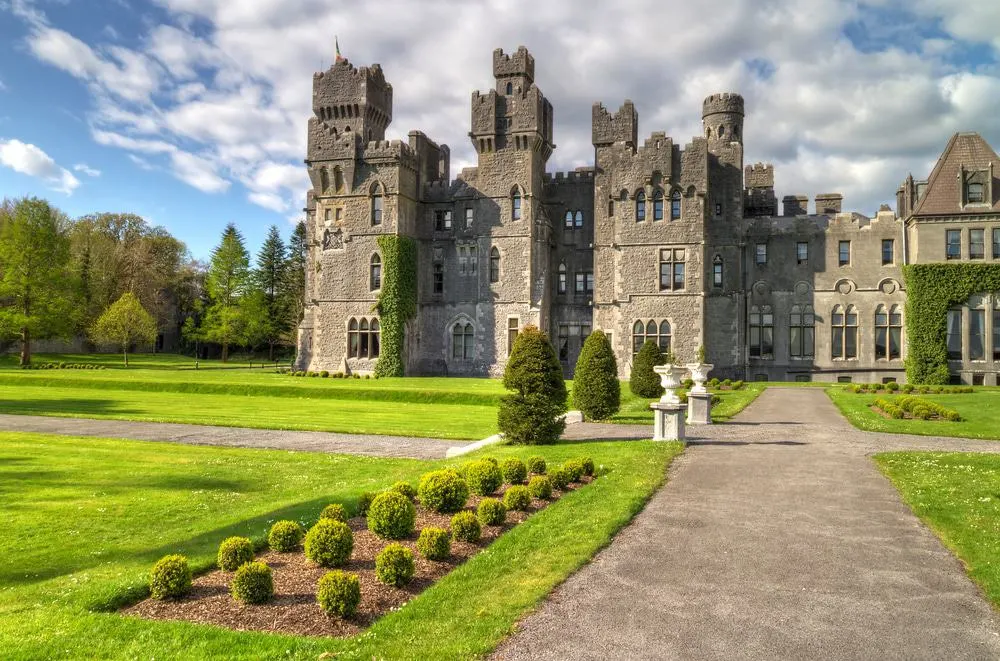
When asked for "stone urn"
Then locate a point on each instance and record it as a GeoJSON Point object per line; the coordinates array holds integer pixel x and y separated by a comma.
{"type": "Point", "coordinates": [670, 379]}
{"type": "Point", "coordinates": [699, 374]}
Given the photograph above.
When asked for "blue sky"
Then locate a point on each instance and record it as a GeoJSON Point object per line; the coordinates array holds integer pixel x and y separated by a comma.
{"type": "Point", "coordinates": [192, 112]}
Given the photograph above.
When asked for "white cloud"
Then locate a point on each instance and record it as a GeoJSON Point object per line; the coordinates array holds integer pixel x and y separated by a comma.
{"type": "Point", "coordinates": [142, 163]}
{"type": "Point", "coordinates": [269, 201]}
{"type": "Point", "coordinates": [32, 161]}
{"type": "Point", "coordinates": [83, 168]}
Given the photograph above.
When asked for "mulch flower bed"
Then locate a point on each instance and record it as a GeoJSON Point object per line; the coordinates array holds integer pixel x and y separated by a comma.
{"type": "Point", "coordinates": [294, 609]}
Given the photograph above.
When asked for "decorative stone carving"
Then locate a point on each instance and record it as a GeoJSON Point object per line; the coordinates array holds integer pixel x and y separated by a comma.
{"type": "Point", "coordinates": [845, 286]}
{"type": "Point", "coordinates": [333, 239]}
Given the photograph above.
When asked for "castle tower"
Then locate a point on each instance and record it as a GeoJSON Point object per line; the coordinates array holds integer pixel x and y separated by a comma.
{"type": "Point", "coordinates": [722, 119]}
{"type": "Point", "coordinates": [346, 99]}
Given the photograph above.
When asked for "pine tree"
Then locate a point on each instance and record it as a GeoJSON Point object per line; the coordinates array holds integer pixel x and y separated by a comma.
{"type": "Point", "coordinates": [596, 391]}
{"type": "Point", "coordinates": [643, 381]}
{"type": "Point", "coordinates": [293, 292]}
{"type": "Point", "coordinates": [529, 415]}
{"type": "Point", "coordinates": [270, 278]}
{"type": "Point", "coordinates": [227, 282]}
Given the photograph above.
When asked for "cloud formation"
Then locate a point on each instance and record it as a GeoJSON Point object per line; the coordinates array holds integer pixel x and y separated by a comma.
{"type": "Point", "coordinates": [32, 161]}
{"type": "Point", "coordinates": [841, 95]}
{"type": "Point", "coordinates": [83, 168]}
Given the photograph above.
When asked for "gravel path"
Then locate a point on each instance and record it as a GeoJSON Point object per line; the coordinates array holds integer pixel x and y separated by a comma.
{"type": "Point", "coordinates": [775, 538]}
{"type": "Point", "coordinates": [360, 444]}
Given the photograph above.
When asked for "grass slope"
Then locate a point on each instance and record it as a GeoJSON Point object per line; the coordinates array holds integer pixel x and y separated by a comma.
{"type": "Point", "coordinates": [956, 494]}
{"type": "Point", "coordinates": [980, 413]}
{"type": "Point", "coordinates": [92, 515]}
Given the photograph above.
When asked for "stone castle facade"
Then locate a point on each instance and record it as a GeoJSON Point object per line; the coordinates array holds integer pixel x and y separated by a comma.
{"type": "Point", "coordinates": [680, 243]}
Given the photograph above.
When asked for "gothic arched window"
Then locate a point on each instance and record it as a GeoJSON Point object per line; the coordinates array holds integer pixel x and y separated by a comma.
{"type": "Point", "coordinates": [376, 205]}
{"type": "Point", "coordinates": [568, 222]}
{"type": "Point", "coordinates": [844, 332]}
{"type": "Point", "coordinates": [515, 207]}
{"type": "Point", "coordinates": [802, 332]}
{"type": "Point", "coordinates": [889, 333]}
{"type": "Point", "coordinates": [675, 205]}
{"type": "Point", "coordinates": [463, 341]}
{"type": "Point", "coordinates": [352, 339]}
{"type": "Point", "coordinates": [494, 265]}
{"type": "Point", "coordinates": [375, 279]}
{"type": "Point", "coordinates": [658, 205]}
{"type": "Point", "coordinates": [578, 219]}
{"type": "Point", "coordinates": [660, 333]}
{"type": "Point", "coordinates": [562, 279]}
{"type": "Point", "coordinates": [640, 206]}
{"type": "Point", "coordinates": [761, 332]}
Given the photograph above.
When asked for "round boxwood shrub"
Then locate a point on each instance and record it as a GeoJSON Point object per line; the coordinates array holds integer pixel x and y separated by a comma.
{"type": "Point", "coordinates": [492, 512]}
{"type": "Point", "coordinates": [329, 543]}
{"type": "Point", "coordinates": [492, 460]}
{"type": "Point", "coordinates": [234, 552]}
{"type": "Point", "coordinates": [170, 578]}
{"type": "Point", "coordinates": [365, 501]}
{"type": "Point", "coordinates": [339, 593]}
{"type": "Point", "coordinates": [575, 469]}
{"type": "Point", "coordinates": [596, 391]}
{"type": "Point", "coordinates": [443, 491]}
{"type": "Point", "coordinates": [483, 477]}
{"type": "Point", "coordinates": [434, 543]}
{"type": "Point", "coordinates": [517, 498]}
{"type": "Point", "coordinates": [530, 415]}
{"type": "Point", "coordinates": [588, 466]}
{"type": "Point", "coordinates": [252, 583]}
{"type": "Point", "coordinates": [394, 565]}
{"type": "Point", "coordinates": [536, 465]}
{"type": "Point", "coordinates": [540, 487]}
{"type": "Point", "coordinates": [465, 527]}
{"type": "Point", "coordinates": [404, 488]}
{"type": "Point", "coordinates": [392, 515]}
{"type": "Point", "coordinates": [560, 478]}
{"type": "Point", "coordinates": [514, 471]}
{"type": "Point", "coordinates": [285, 536]}
{"type": "Point", "coordinates": [324, 374]}
{"type": "Point", "coordinates": [334, 512]}
{"type": "Point", "coordinates": [643, 381]}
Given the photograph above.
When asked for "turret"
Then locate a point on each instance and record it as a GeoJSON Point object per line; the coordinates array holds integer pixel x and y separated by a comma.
{"type": "Point", "coordinates": [609, 128]}
{"type": "Point", "coordinates": [722, 118]}
{"type": "Point", "coordinates": [350, 100]}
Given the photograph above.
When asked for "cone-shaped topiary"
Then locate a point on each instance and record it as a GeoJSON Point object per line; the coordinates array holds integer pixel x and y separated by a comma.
{"type": "Point", "coordinates": [234, 552]}
{"type": "Point", "coordinates": [285, 536]}
{"type": "Point", "coordinates": [170, 578]}
{"type": "Point", "coordinates": [596, 391]}
{"type": "Point", "coordinates": [644, 382]}
{"type": "Point", "coordinates": [528, 416]}
{"type": "Point", "coordinates": [252, 583]}
{"type": "Point", "coordinates": [339, 593]}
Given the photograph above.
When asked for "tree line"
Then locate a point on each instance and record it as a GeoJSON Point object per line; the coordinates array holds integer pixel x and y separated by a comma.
{"type": "Point", "coordinates": [112, 278]}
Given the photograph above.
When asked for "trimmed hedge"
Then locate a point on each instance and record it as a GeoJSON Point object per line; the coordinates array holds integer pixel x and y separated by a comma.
{"type": "Point", "coordinates": [514, 471]}
{"type": "Point", "coordinates": [536, 465]}
{"type": "Point", "coordinates": [392, 515]}
{"type": "Point", "coordinates": [517, 498]}
{"type": "Point", "coordinates": [465, 527]}
{"type": "Point", "coordinates": [285, 536]}
{"type": "Point", "coordinates": [575, 469]}
{"type": "Point", "coordinates": [434, 543]}
{"type": "Point", "coordinates": [643, 381]}
{"type": "Point", "coordinates": [443, 491]}
{"type": "Point", "coordinates": [483, 477]}
{"type": "Point", "coordinates": [329, 543]}
{"type": "Point", "coordinates": [234, 552]}
{"type": "Point", "coordinates": [491, 512]}
{"type": "Point", "coordinates": [252, 583]}
{"type": "Point", "coordinates": [540, 487]}
{"type": "Point", "coordinates": [596, 390]}
{"type": "Point", "coordinates": [560, 478]}
{"type": "Point", "coordinates": [394, 565]}
{"type": "Point", "coordinates": [170, 578]}
{"type": "Point", "coordinates": [339, 593]}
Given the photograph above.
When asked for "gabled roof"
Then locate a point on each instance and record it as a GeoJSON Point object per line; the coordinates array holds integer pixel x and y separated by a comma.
{"type": "Point", "coordinates": [943, 196]}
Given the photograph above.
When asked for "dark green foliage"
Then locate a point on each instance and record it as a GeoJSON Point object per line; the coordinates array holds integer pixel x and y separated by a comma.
{"type": "Point", "coordinates": [574, 467]}
{"type": "Point", "coordinates": [170, 578]}
{"type": "Point", "coordinates": [930, 290]}
{"type": "Point", "coordinates": [404, 488]}
{"type": "Point", "coordinates": [443, 491]}
{"type": "Point", "coordinates": [536, 465]}
{"type": "Point", "coordinates": [643, 381]}
{"type": "Point", "coordinates": [533, 371]}
{"type": "Point", "coordinates": [339, 593]}
{"type": "Point", "coordinates": [540, 487]}
{"type": "Point", "coordinates": [394, 565]}
{"type": "Point", "coordinates": [483, 477]}
{"type": "Point", "coordinates": [596, 390]}
{"type": "Point", "coordinates": [434, 543]}
{"type": "Point", "coordinates": [517, 498]}
{"type": "Point", "coordinates": [392, 515]}
{"type": "Point", "coordinates": [588, 466]}
{"type": "Point", "coordinates": [252, 583]}
{"type": "Point", "coordinates": [492, 460]}
{"type": "Point", "coordinates": [491, 512]}
{"type": "Point", "coordinates": [234, 552]}
{"type": "Point", "coordinates": [285, 536]}
{"type": "Point", "coordinates": [560, 478]}
{"type": "Point", "coordinates": [397, 300]}
{"type": "Point", "coordinates": [514, 471]}
{"type": "Point", "coordinates": [329, 543]}
{"type": "Point", "coordinates": [334, 512]}
{"type": "Point", "coordinates": [465, 527]}
{"type": "Point", "coordinates": [365, 501]}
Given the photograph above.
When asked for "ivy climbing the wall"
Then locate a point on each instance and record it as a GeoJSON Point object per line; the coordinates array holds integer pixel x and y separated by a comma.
{"type": "Point", "coordinates": [930, 290]}
{"type": "Point", "coordinates": [397, 301]}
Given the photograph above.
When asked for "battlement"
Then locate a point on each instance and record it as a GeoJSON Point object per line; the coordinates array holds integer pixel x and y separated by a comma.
{"type": "Point", "coordinates": [657, 140]}
{"type": "Point", "coordinates": [519, 63]}
{"type": "Point", "coordinates": [758, 175]}
{"type": "Point", "coordinates": [390, 150]}
{"type": "Point", "coordinates": [728, 102]}
{"type": "Point", "coordinates": [580, 175]}
{"type": "Point", "coordinates": [621, 126]}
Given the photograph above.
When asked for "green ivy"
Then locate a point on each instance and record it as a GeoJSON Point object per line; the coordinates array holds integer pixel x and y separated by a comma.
{"type": "Point", "coordinates": [397, 302]}
{"type": "Point", "coordinates": [930, 290]}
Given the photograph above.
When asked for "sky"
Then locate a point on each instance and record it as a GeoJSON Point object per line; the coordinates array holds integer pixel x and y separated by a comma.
{"type": "Point", "coordinates": [192, 113]}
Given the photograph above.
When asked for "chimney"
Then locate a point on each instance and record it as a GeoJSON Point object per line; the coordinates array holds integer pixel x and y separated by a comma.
{"type": "Point", "coordinates": [829, 203]}
{"type": "Point", "coordinates": [794, 205]}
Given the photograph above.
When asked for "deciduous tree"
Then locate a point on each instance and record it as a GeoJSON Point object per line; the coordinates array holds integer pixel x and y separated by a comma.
{"type": "Point", "coordinates": [125, 323]}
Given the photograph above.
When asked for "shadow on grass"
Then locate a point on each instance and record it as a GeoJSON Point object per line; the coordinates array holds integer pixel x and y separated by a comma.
{"type": "Point", "coordinates": [79, 407]}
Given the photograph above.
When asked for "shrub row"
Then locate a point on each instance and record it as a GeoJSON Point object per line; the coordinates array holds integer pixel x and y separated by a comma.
{"type": "Point", "coordinates": [921, 409]}
{"type": "Point", "coordinates": [63, 366]}
{"type": "Point", "coordinates": [327, 375]}
{"type": "Point", "coordinates": [907, 388]}
{"type": "Point", "coordinates": [728, 384]}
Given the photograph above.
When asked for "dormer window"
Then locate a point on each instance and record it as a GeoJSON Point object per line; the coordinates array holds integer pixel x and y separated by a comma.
{"type": "Point", "coordinates": [974, 193]}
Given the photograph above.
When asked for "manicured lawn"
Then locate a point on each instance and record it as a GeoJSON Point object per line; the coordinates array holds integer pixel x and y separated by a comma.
{"type": "Point", "coordinates": [958, 496]}
{"type": "Point", "coordinates": [86, 518]}
{"type": "Point", "coordinates": [980, 413]}
{"type": "Point", "coordinates": [635, 410]}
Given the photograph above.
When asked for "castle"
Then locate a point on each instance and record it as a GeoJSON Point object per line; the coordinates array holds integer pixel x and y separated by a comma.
{"type": "Point", "coordinates": [680, 244]}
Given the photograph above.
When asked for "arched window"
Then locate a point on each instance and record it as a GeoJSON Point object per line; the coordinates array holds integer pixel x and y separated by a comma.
{"type": "Point", "coordinates": [660, 333]}
{"type": "Point", "coordinates": [977, 328]}
{"type": "Point", "coordinates": [675, 205]}
{"type": "Point", "coordinates": [658, 205]}
{"type": "Point", "coordinates": [640, 206]}
{"type": "Point", "coordinates": [578, 219]}
{"type": "Point", "coordinates": [568, 222]}
{"type": "Point", "coordinates": [761, 332]}
{"type": "Point", "coordinates": [494, 264]}
{"type": "Point", "coordinates": [562, 279]}
{"type": "Point", "coordinates": [510, 88]}
{"type": "Point", "coordinates": [463, 341]}
{"type": "Point", "coordinates": [515, 208]}
{"type": "Point", "coordinates": [376, 205]}
{"type": "Point", "coordinates": [365, 339]}
{"type": "Point", "coordinates": [352, 339]}
{"type": "Point", "coordinates": [888, 333]}
{"type": "Point", "coordinates": [376, 343]}
{"type": "Point", "coordinates": [954, 334]}
{"type": "Point", "coordinates": [802, 332]}
{"type": "Point", "coordinates": [375, 279]}
{"type": "Point", "coordinates": [664, 337]}
{"type": "Point", "coordinates": [717, 271]}
{"type": "Point", "coordinates": [844, 332]}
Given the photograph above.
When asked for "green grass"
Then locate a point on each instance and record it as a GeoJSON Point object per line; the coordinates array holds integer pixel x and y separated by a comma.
{"type": "Point", "coordinates": [958, 496]}
{"type": "Point", "coordinates": [86, 518]}
{"type": "Point", "coordinates": [980, 413]}
{"type": "Point", "coordinates": [635, 410]}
